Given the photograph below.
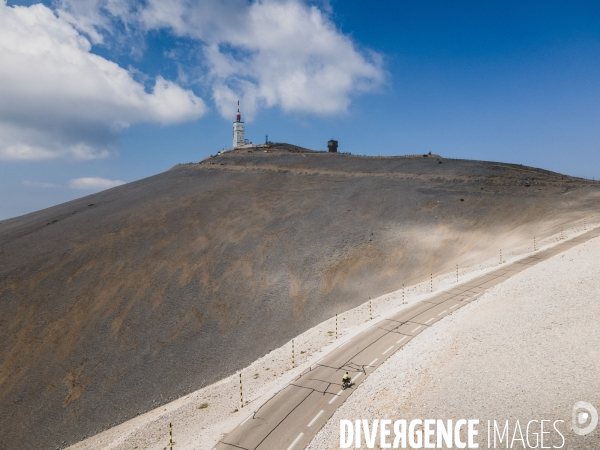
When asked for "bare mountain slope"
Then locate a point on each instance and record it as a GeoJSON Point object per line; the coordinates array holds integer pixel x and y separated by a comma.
{"type": "Point", "coordinates": [117, 302]}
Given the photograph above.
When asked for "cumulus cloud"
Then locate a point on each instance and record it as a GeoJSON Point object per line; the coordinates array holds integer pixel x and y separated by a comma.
{"type": "Point", "coordinates": [94, 183]}
{"type": "Point", "coordinates": [267, 53]}
{"type": "Point", "coordinates": [57, 99]}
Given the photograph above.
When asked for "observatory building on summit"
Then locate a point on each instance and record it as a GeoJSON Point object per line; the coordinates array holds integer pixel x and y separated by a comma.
{"type": "Point", "coordinates": [238, 132]}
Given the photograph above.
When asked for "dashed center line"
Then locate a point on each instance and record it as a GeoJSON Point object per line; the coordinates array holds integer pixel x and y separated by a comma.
{"type": "Point", "coordinates": [416, 329]}
{"type": "Point", "coordinates": [388, 350]}
{"type": "Point", "coordinates": [295, 441]}
{"type": "Point", "coordinates": [429, 320]}
{"type": "Point", "coordinates": [336, 396]}
{"type": "Point", "coordinates": [443, 312]}
{"type": "Point", "coordinates": [355, 377]}
{"type": "Point", "coordinates": [316, 417]}
{"type": "Point", "coordinates": [401, 340]}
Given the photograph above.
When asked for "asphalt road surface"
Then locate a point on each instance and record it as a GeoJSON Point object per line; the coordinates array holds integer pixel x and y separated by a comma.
{"type": "Point", "coordinates": [291, 418]}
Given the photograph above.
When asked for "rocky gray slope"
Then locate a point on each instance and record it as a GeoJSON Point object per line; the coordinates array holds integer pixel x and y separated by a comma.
{"type": "Point", "coordinates": [117, 302]}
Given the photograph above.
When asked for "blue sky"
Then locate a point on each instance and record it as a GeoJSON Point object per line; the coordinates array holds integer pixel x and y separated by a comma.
{"type": "Point", "coordinates": [98, 92]}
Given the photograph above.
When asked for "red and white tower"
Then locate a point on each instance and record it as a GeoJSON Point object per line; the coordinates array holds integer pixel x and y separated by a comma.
{"type": "Point", "coordinates": [238, 130]}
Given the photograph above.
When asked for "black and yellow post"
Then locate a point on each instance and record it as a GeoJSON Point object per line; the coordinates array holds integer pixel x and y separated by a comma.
{"type": "Point", "coordinates": [171, 435]}
{"type": "Point", "coordinates": [431, 282]}
{"type": "Point", "coordinates": [293, 364]}
{"type": "Point", "coordinates": [403, 295]}
{"type": "Point", "coordinates": [584, 227]}
{"type": "Point", "coordinates": [241, 394]}
{"type": "Point", "coordinates": [534, 245]}
{"type": "Point", "coordinates": [370, 310]}
{"type": "Point", "coordinates": [562, 236]}
{"type": "Point", "coordinates": [336, 327]}
{"type": "Point", "coordinates": [500, 256]}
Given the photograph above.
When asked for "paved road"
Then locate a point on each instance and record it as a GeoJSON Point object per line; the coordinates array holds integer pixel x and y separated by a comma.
{"type": "Point", "coordinates": [290, 419]}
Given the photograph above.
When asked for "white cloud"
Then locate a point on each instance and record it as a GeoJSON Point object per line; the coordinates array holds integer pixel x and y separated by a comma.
{"type": "Point", "coordinates": [92, 17]}
{"type": "Point", "coordinates": [59, 100]}
{"type": "Point", "coordinates": [84, 183]}
{"type": "Point", "coordinates": [266, 53]}
{"type": "Point", "coordinates": [273, 53]}
{"type": "Point", "coordinates": [94, 183]}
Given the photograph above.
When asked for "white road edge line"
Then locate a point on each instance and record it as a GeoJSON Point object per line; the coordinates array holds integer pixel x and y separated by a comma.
{"type": "Point", "coordinates": [295, 441]}
{"type": "Point", "coordinates": [340, 346]}
{"type": "Point", "coordinates": [336, 396]}
{"type": "Point", "coordinates": [452, 307]}
{"type": "Point", "coordinates": [373, 362]}
{"type": "Point", "coordinates": [443, 312]}
{"type": "Point", "coordinates": [246, 420]}
{"type": "Point", "coordinates": [356, 376]}
{"type": "Point", "coordinates": [388, 350]}
{"type": "Point", "coordinates": [429, 320]}
{"type": "Point", "coordinates": [416, 329]}
{"type": "Point", "coordinates": [368, 328]}
{"type": "Point", "coordinates": [316, 417]}
{"type": "Point", "coordinates": [401, 340]}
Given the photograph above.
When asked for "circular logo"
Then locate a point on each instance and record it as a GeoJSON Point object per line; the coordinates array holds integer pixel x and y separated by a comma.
{"type": "Point", "coordinates": [582, 413]}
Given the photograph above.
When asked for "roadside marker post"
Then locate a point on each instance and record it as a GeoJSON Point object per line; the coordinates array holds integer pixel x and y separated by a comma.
{"type": "Point", "coordinates": [584, 227]}
{"type": "Point", "coordinates": [370, 310]}
{"type": "Point", "coordinates": [500, 256]}
{"type": "Point", "coordinates": [336, 326]}
{"type": "Point", "coordinates": [170, 435]}
{"type": "Point", "coordinates": [403, 302]}
{"type": "Point", "coordinates": [241, 394]}
{"type": "Point", "coordinates": [293, 364]}
{"type": "Point", "coordinates": [534, 245]}
{"type": "Point", "coordinates": [431, 282]}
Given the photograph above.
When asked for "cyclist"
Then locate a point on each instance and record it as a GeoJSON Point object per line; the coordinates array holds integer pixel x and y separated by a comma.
{"type": "Point", "coordinates": [346, 379]}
